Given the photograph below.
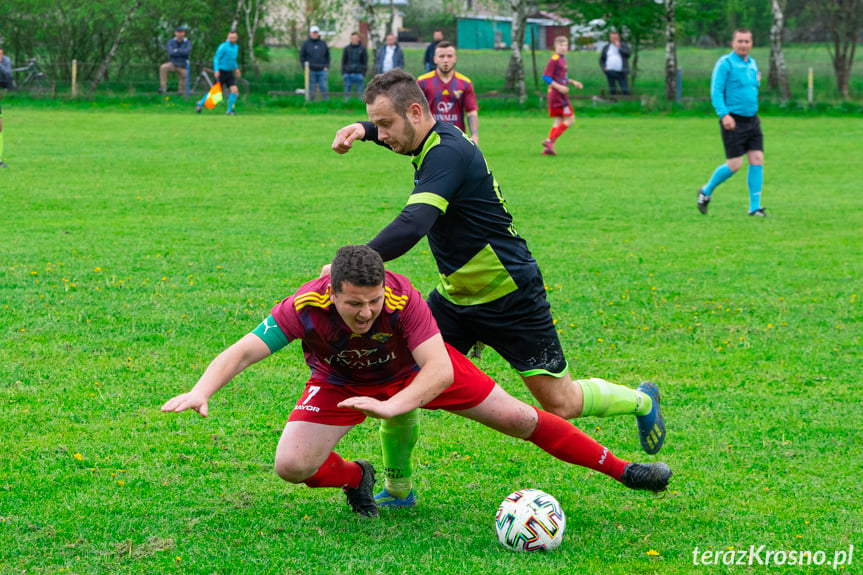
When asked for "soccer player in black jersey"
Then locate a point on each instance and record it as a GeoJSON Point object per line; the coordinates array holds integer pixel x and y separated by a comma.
{"type": "Point", "coordinates": [491, 289]}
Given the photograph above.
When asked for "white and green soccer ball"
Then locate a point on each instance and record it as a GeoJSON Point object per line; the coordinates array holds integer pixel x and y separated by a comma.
{"type": "Point", "coordinates": [530, 520]}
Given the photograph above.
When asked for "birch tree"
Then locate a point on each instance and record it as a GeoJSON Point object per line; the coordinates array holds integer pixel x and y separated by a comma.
{"type": "Point", "coordinates": [670, 51]}
{"type": "Point", "coordinates": [113, 51]}
{"type": "Point", "coordinates": [778, 75]}
{"type": "Point", "coordinates": [515, 70]}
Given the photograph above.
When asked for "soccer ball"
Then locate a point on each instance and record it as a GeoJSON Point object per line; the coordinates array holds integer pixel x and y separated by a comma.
{"type": "Point", "coordinates": [530, 520]}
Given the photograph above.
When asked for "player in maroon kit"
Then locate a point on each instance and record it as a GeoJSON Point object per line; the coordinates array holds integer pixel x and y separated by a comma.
{"type": "Point", "coordinates": [559, 107]}
{"type": "Point", "coordinates": [450, 94]}
{"type": "Point", "coordinates": [375, 350]}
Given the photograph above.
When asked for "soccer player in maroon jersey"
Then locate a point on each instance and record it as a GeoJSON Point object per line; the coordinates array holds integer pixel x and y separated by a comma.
{"type": "Point", "coordinates": [375, 350]}
{"type": "Point", "coordinates": [450, 94]}
{"type": "Point", "coordinates": [558, 82]}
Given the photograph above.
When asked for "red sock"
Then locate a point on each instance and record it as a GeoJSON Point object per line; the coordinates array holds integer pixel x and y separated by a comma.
{"type": "Point", "coordinates": [565, 441]}
{"type": "Point", "coordinates": [336, 472]}
{"type": "Point", "coordinates": [557, 132]}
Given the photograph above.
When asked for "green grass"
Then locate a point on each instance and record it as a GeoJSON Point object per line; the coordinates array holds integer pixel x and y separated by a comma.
{"type": "Point", "coordinates": [137, 246]}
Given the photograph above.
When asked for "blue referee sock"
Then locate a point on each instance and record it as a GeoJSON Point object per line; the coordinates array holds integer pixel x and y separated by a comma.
{"type": "Point", "coordinates": [231, 100]}
{"type": "Point", "coordinates": [755, 180]}
{"type": "Point", "coordinates": [721, 174]}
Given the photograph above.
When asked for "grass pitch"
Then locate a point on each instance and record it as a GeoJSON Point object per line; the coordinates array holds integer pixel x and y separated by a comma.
{"type": "Point", "coordinates": [138, 245]}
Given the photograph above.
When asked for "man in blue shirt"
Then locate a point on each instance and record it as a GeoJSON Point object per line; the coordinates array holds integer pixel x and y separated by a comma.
{"type": "Point", "coordinates": [227, 71]}
{"type": "Point", "coordinates": [734, 92]}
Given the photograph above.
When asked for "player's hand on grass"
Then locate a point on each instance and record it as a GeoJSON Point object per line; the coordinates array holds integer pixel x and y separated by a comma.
{"type": "Point", "coordinates": [325, 271]}
{"type": "Point", "coordinates": [186, 401]}
{"type": "Point", "coordinates": [372, 407]}
{"type": "Point", "coordinates": [728, 122]}
{"type": "Point", "coordinates": [346, 137]}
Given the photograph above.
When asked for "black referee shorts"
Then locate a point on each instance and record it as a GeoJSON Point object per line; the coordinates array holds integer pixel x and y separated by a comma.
{"type": "Point", "coordinates": [744, 137]}
{"type": "Point", "coordinates": [518, 326]}
{"type": "Point", "coordinates": [227, 78]}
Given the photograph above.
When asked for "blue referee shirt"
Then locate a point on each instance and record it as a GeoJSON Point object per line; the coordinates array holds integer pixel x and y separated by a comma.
{"type": "Point", "coordinates": [734, 86]}
{"type": "Point", "coordinates": [226, 57]}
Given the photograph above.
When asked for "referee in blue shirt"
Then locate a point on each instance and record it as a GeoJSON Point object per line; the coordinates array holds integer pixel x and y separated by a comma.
{"type": "Point", "coordinates": [226, 72]}
{"type": "Point", "coordinates": [734, 92]}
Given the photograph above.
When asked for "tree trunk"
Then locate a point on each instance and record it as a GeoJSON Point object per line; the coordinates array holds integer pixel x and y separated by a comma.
{"type": "Point", "coordinates": [633, 70]}
{"type": "Point", "coordinates": [371, 18]}
{"type": "Point", "coordinates": [515, 70]}
{"type": "Point", "coordinates": [778, 74]}
{"type": "Point", "coordinates": [844, 18]}
{"type": "Point", "coordinates": [250, 6]}
{"type": "Point", "coordinates": [103, 69]}
{"type": "Point", "coordinates": [670, 52]}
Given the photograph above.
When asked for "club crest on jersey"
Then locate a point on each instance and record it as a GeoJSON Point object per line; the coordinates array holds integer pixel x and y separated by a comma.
{"type": "Point", "coordinates": [381, 337]}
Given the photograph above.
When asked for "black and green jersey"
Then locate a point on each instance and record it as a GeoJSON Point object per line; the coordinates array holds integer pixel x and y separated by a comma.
{"type": "Point", "coordinates": [479, 254]}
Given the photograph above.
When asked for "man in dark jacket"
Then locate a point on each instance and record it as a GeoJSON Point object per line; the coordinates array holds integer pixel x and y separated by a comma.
{"type": "Point", "coordinates": [614, 61]}
{"type": "Point", "coordinates": [429, 57]}
{"type": "Point", "coordinates": [178, 53]}
{"type": "Point", "coordinates": [316, 52]}
{"type": "Point", "coordinates": [389, 56]}
{"type": "Point", "coordinates": [355, 64]}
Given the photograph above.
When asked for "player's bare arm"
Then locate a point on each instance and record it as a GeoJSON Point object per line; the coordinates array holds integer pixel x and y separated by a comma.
{"type": "Point", "coordinates": [576, 83]}
{"type": "Point", "coordinates": [224, 368]}
{"type": "Point", "coordinates": [346, 137]}
{"type": "Point", "coordinates": [434, 377]}
{"type": "Point", "coordinates": [472, 119]}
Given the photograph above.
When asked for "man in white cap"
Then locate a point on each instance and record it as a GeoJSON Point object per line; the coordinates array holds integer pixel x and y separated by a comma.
{"type": "Point", "coordinates": [316, 52]}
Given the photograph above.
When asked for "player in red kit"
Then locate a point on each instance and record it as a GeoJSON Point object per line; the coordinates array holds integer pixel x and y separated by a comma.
{"type": "Point", "coordinates": [450, 94]}
{"type": "Point", "coordinates": [374, 350]}
{"type": "Point", "coordinates": [558, 82]}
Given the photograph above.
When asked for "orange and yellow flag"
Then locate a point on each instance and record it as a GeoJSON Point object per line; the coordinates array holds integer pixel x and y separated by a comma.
{"type": "Point", "coordinates": [214, 97]}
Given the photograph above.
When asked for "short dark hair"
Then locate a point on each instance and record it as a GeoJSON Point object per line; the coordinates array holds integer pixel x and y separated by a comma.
{"type": "Point", "coordinates": [444, 44]}
{"type": "Point", "coordinates": [741, 31]}
{"type": "Point", "coordinates": [358, 265]}
{"type": "Point", "coordinates": [401, 88]}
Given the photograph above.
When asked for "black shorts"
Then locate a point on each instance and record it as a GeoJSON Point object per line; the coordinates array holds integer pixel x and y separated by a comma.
{"type": "Point", "coordinates": [227, 78]}
{"type": "Point", "coordinates": [744, 137]}
{"type": "Point", "coordinates": [518, 326]}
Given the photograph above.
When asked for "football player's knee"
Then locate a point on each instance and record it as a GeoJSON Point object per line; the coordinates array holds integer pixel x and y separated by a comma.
{"type": "Point", "coordinates": [292, 469]}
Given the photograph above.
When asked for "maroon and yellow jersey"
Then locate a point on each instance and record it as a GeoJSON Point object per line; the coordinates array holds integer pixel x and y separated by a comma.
{"type": "Point", "coordinates": [556, 70]}
{"type": "Point", "coordinates": [340, 357]}
{"type": "Point", "coordinates": [449, 101]}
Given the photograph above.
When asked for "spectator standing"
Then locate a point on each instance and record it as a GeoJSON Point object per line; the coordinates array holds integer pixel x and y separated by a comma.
{"type": "Point", "coordinates": [389, 56]}
{"type": "Point", "coordinates": [5, 82]}
{"type": "Point", "coordinates": [734, 93]}
{"type": "Point", "coordinates": [450, 95]}
{"type": "Point", "coordinates": [316, 52]}
{"type": "Point", "coordinates": [614, 61]}
{"type": "Point", "coordinates": [178, 49]}
{"type": "Point", "coordinates": [355, 64]}
{"type": "Point", "coordinates": [429, 62]}
{"type": "Point", "coordinates": [5, 72]}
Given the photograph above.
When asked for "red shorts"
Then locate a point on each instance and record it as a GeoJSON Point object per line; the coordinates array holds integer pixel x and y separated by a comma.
{"type": "Point", "coordinates": [319, 401]}
{"type": "Point", "coordinates": [557, 112]}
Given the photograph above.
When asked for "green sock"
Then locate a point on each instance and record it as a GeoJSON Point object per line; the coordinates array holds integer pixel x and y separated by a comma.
{"type": "Point", "coordinates": [398, 438]}
{"type": "Point", "coordinates": [604, 399]}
